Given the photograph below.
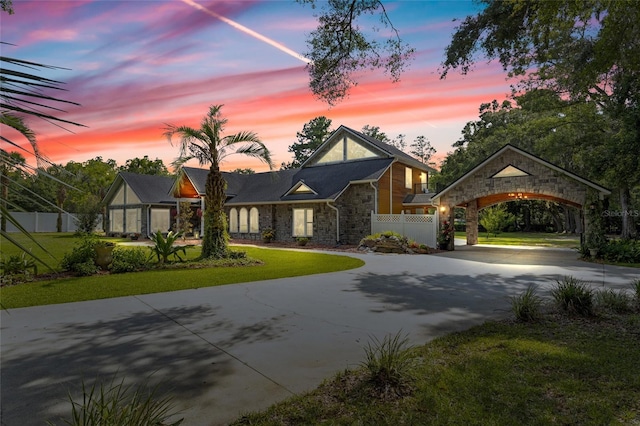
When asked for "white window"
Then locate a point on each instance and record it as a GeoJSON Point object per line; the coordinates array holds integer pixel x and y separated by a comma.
{"type": "Point", "coordinates": [160, 219]}
{"type": "Point", "coordinates": [116, 220]}
{"type": "Point", "coordinates": [254, 221]}
{"type": "Point", "coordinates": [243, 221]}
{"type": "Point", "coordinates": [302, 222]}
{"type": "Point", "coordinates": [233, 220]}
{"type": "Point", "coordinates": [408, 177]}
{"type": "Point", "coordinates": [133, 221]}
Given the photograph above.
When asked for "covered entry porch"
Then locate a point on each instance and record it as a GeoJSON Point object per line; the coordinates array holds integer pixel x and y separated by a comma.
{"type": "Point", "coordinates": [512, 174]}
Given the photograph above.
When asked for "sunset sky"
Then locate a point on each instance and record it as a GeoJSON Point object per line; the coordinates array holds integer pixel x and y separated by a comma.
{"type": "Point", "coordinates": [135, 66]}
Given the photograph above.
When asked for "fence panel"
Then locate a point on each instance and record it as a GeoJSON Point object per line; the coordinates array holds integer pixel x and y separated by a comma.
{"type": "Point", "coordinates": [422, 228]}
{"type": "Point", "coordinates": [45, 222]}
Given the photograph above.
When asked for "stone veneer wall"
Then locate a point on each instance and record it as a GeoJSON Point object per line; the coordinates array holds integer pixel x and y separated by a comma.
{"type": "Point", "coordinates": [542, 180]}
{"type": "Point", "coordinates": [355, 206]}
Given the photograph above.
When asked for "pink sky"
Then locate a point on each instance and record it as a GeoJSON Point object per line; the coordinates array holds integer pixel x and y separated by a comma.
{"type": "Point", "coordinates": [136, 66]}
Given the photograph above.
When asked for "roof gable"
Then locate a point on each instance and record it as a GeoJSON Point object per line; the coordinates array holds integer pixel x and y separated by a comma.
{"type": "Point", "coordinates": [147, 189]}
{"type": "Point", "coordinates": [524, 153]}
{"type": "Point", "coordinates": [346, 144]}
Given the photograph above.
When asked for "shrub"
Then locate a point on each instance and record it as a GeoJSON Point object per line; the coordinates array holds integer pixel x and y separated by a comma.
{"type": "Point", "coordinates": [17, 268]}
{"type": "Point", "coordinates": [81, 259]}
{"type": "Point", "coordinates": [613, 301]}
{"type": "Point", "coordinates": [574, 296]}
{"type": "Point", "coordinates": [526, 306]}
{"type": "Point", "coordinates": [117, 404]}
{"type": "Point", "coordinates": [129, 260]}
{"type": "Point", "coordinates": [621, 251]}
{"type": "Point", "coordinates": [635, 288]}
{"type": "Point", "coordinates": [163, 247]}
{"type": "Point", "coordinates": [389, 364]}
{"type": "Point", "coordinates": [268, 235]}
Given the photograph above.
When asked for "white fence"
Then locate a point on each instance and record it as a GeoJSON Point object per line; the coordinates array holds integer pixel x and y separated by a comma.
{"type": "Point", "coordinates": [422, 228]}
{"type": "Point", "coordinates": [44, 222]}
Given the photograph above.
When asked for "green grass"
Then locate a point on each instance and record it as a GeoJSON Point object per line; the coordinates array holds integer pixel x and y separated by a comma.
{"type": "Point", "coordinates": [558, 371]}
{"type": "Point", "coordinates": [57, 244]}
{"type": "Point", "coordinates": [527, 239]}
{"type": "Point", "coordinates": [276, 264]}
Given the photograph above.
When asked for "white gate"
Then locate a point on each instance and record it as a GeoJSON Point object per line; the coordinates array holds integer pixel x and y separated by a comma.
{"type": "Point", "coordinates": [422, 228]}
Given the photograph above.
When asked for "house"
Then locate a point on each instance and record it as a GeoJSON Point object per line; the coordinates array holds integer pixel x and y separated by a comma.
{"type": "Point", "coordinates": [329, 200]}
{"type": "Point", "coordinates": [139, 204]}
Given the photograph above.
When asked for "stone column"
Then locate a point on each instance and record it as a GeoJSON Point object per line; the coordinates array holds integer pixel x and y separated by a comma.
{"type": "Point", "coordinates": [471, 217]}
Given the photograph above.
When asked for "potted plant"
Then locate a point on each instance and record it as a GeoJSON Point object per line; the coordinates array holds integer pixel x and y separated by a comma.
{"type": "Point", "coordinates": [445, 235]}
{"type": "Point", "coordinates": [104, 254]}
{"type": "Point", "coordinates": [302, 241]}
{"type": "Point", "coordinates": [268, 235]}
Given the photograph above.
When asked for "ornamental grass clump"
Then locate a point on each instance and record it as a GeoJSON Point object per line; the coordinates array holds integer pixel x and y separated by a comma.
{"type": "Point", "coordinates": [527, 306]}
{"type": "Point", "coordinates": [610, 300]}
{"type": "Point", "coordinates": [116, 404]}
{"type": "Point", "coordinates": [389, 365]}
{"type": "Point", "coordinates": [574, 296]}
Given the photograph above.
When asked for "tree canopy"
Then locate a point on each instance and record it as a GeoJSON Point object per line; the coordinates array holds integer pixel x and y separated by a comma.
{"type": "Point", "coordinates": [585, 52]}
{"type": "Point", "coordinates": [339, 47]}
{"type": "Point", "coordinates": [312, 135]}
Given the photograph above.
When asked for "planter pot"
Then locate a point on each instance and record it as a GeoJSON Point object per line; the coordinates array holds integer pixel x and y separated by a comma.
{"type": "Point", "coordinates": [266, 240]}
{"type": "Point", "coordinates": [443, 246]}
{"type": "Point", "coordinates": [104, 256]}
{"type": "Point", "coordinates": [593, 252]}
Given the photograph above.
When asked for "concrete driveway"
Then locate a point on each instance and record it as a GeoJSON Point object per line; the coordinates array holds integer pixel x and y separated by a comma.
{"type": "Point", "coordinates": [227, 350]}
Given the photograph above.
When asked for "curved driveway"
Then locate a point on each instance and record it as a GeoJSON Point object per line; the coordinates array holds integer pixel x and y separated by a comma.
{"type": "Point", "coordinates": [231, 349]}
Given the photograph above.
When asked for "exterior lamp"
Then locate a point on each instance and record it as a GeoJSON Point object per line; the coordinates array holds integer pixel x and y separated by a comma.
{"type": "Point", "coordinates": [443, 209]}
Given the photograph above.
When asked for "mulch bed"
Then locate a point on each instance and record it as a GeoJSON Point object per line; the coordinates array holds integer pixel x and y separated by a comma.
{"type": "Point", "coordinates": [294, 245]}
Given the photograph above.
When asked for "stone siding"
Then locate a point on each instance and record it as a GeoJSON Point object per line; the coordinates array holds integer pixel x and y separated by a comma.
{"type": "Point", "coordinates": [355, 206]}
{"type": "Point", "coordinates": [541, 180]}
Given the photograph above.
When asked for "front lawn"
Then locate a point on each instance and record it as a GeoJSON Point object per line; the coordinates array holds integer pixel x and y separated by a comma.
{"type": "Point", "coordinates": [276, 264]}
{"type": "Point", "coordinates": [559, 371]}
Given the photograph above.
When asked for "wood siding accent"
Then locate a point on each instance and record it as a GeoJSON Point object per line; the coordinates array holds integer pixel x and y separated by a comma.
{"type": "Point", "coordinates": [186, 189]}
{"type": "Point", "coordinates": [398, 187]}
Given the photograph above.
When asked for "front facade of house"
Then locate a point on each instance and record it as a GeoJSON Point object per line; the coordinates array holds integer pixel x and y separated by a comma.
{"type": "Point", "coordinates": [329, 200]}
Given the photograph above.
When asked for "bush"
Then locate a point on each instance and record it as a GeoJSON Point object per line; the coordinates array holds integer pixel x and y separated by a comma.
{"type": "Point", "coordinates": [621, 251]}
{"type": "Point", "coordinates": [388, 364]}
{"type": "Point", "coordinates": [574, 296]}
{"type": "Point", "coordinates": [117, 404]}
{"type": "Point", "coordinates": [17, 268]}
{"type": "Point", "coordinates": [81, 259]}
{"type": "Point", "coordinates": [129, 260]}
{"type": "Point", "coordinates": [610, 300]}
{"type": "Point", "coordinates": [526, 306]}
{"type": "Point", "coordinates": [635, 288]}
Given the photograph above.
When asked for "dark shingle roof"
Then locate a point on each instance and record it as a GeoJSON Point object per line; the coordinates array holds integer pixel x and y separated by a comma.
{"type": "Point", "coordinates": [150, 189]}
{"type": "Point", "coordinates": [328, 181]}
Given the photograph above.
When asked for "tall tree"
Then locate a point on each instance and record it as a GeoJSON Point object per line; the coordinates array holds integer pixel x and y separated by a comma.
{"type": "Point", "coordinates": [375, 132]}
{"type": "Point", "coordinates": [312, 135]}
{"type": "Point", "coordinates": [422, 149]}
{"type": "Point", "coordinates": [145, 166]}
{"type": "Point", "coordinates": [587, 51]}
{"type": "Point", "coordinates": [207, 145]}
{"type": "Point", "coordinates": [338, 47]}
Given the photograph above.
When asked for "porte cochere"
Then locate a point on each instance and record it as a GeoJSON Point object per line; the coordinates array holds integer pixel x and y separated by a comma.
{"type": "Point", "coordinates": [511, 174]}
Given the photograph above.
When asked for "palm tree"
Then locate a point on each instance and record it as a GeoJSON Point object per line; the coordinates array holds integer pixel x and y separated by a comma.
{"type": "Point", "coordinates": [208, 146]}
